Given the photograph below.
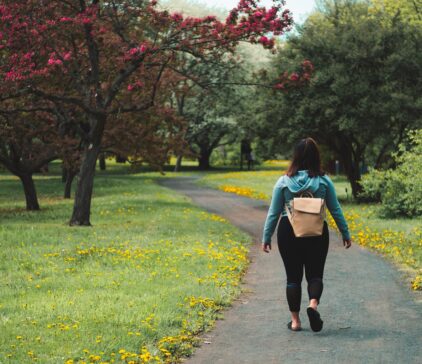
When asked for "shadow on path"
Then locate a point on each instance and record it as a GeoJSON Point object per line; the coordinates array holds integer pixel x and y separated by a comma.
{"type": "Point", "coordinates": [368, 316]}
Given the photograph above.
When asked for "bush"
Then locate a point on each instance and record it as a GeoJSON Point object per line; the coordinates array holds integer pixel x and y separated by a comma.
{"type": "Point", "coordinates": [399, 189]}
{"type": "Point", "coordinates": [372, 183]}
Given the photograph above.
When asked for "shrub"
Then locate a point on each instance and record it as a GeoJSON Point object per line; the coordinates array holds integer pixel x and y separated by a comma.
{"type": "Point", "coordinates": [372, 183]}
{"type": "Point", "coordinates": [399, 189]}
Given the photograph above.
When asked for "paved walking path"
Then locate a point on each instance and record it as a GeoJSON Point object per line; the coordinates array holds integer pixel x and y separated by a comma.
{"type": "Point", "coordinates": [369, 317]}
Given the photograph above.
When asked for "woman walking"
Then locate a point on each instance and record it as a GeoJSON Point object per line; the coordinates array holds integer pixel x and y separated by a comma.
{"type": "Point", "coordinates": [299, 253]}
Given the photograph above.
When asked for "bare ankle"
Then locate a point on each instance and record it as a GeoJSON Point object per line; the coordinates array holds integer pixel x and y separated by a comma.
{"type": "Point", "coordinates": [295, 317]}
{"type": "Point", "coordinates": [313, 303]}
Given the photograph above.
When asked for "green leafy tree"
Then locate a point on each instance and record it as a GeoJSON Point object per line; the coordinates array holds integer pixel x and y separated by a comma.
{"type": "Point", "coordinates": [408, 10]}
{"type": "Point", "coordinates": [366, 91]}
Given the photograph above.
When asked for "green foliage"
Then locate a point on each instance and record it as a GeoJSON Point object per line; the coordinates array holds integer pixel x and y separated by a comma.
{"type": "Point", "coordinates": [365, 92]}
{"type": "Point", "coordinates": [399, 189]}
{"type": "Point", "coordinates": [408, 10]}
{"type": "Point", "coordinates": [372, 184]}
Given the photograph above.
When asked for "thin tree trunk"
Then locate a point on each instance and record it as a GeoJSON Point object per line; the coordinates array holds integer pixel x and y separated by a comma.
{"type": "Point", "coordinates": [64, 174]}
{"type": "Point", "coordinates": [30, 192]}
{"type": "Point", "coordinates": [82, 206]}
{"type": "Point", "coordinates": [351, 167]}
{"type": "Point", "coordinates": [178, 163]}
{"type": "Point", "coordinates": [70, 176]}
{"type": "Point", "coordinates": [83, 195]}
{"type": "Point", "coordinates": [102, 161]}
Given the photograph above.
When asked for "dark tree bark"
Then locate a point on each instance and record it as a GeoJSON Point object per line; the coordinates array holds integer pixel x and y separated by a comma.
{"type": "Point", "coordinates": [204, 159]}
{"type": "Point", "coordinates": [351, 161]}
{"type": "Point", "coordinates": [178, 163]}
{"type": "Point", "coordinates": [352, 168]}
{"type": "Point", "coordinates": [70, 176]}
{"type": "Point", "coordinates": [64, 174]}
{"type": "Point", "coordinates": [30, 192]}
{"type": "Point", "coordinates": [82, 205]}
{"type": "Point", "coordinates": [120, 159]}
{"type": "Point", "coordinates": [351, 155]}
{"type": "Point", "coordinates": [102, 161]}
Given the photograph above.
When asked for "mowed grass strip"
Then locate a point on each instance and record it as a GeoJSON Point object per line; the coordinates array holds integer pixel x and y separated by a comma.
{"type": "Point", "coordinates": [398, 239]}
{"type": "Point", "coordinates": [137, 287]}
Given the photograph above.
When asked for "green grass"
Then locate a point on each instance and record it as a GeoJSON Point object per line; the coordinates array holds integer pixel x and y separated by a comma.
{"type": "Point", "coordinates": [152, 272]}
{"type": "Point", "coordinates": [398, 239]}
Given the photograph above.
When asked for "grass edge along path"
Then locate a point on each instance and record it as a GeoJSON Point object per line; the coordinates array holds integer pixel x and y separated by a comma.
{"type": "Point", "coordinates": [58, 294]}
{"type": "Point", "coordinates": [403, 248]}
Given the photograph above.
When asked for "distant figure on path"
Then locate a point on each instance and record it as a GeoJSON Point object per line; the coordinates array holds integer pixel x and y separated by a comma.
{"type": "Point", "coordinates": [297, 253]}
{"type": "Point", "coordinates": [246, 153]}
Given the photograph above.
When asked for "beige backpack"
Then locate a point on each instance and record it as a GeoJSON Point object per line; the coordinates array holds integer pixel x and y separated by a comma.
{"type": "Point", "coordinates": [306, 215]}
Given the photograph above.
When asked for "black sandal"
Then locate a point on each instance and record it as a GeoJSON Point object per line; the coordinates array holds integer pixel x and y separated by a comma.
{"type": "Point", "coordinates": [314, 319]}
{"type": "Point", "coordinates": [289, 326]}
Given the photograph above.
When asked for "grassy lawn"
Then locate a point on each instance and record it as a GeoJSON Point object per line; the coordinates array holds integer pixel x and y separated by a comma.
{"type": "Point", "coordinates": [137, 287]}
{"type": "Point", "coordinates": [398, 239]}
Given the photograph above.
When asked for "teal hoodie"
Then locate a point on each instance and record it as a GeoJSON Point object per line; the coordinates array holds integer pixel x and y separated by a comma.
{"type": "Point", "coordinates": [286, 188]}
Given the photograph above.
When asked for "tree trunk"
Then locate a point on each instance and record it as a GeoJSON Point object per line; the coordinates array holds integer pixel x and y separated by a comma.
{"type": "Point", "coordinates": [64, 174]}
{"type": "Point", "coordinates": [102, 162]}
{"type": "Point", "coordinates": [30, 192]}
{"type": "Point", "coordinates": [178, 163]}
{"type": "Point", "coordinates": [82, 206]}
{"type": "Point", "coordinates": [70, 175]}
{"type": "Point", "coordinates": [204, 159]}
{"type": "Point", "coordinates": [351, 158]}
{"type": "Point", "coordinates": [83, 195]}
{"type": "Point", "coordinates": [351, 166]}
{"type": "Point", "coordinates": [120, 159]}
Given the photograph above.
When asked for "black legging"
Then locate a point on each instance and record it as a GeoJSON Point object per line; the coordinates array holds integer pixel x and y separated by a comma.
{"type": "Point", "coordinates": [297, 253]}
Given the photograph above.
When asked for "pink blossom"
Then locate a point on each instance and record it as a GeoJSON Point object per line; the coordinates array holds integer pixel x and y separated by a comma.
{"type": "Point", "coordinates": [177, 17]}
{"type": "Point", "coordinates": [28, 56]}
{"type": "Point", "coordinates": [54, 62]}
{"type": "Point", "coordinates": [133, 51]}
{"type": "Point", "coordinates": [136, 85]}
{"type": "Point", "coordinates": [143, 48]}
{"type": "Point", "coordinates": [67, 56]}
{"type": "Point", "coordinates": [137, 50]}
{"type": "Point", "coordinates": [294, 76]}
{"type": "Point", "coordinates": [263, 40]}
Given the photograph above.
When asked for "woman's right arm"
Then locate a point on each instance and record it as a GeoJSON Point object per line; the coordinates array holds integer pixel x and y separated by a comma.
{"type": "Point", "coordinates": [276, 208]}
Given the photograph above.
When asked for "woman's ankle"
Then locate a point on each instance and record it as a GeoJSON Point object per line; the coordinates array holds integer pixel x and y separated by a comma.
{"type": "Point", "coordinates": [295, 317]}
{"type": "Point", "coordinates": [313, 303]}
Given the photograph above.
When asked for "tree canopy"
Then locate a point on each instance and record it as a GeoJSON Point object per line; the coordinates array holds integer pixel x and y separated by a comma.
{"type": "Point", "coordinates": [366, 90]}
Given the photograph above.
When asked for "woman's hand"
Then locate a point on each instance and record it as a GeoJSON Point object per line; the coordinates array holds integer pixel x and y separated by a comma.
{"type": "Point", "coordinates": [347, 243]}
{"type": "Point", "coordinates": [266, 247]}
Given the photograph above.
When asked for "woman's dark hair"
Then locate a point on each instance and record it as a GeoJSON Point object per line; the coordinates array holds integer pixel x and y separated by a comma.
{"type": "Point", "coordinates": [306, 156]}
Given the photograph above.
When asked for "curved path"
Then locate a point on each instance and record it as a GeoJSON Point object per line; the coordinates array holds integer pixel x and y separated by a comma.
{"type": "Point", "coordinates": [369, 317]}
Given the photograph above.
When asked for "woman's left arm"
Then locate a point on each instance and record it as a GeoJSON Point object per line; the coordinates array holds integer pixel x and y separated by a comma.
{"type": "Point", "coordinates": [337, 213]}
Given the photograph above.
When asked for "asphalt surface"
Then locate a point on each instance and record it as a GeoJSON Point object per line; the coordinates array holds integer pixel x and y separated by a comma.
{"type": "Point", "coordinates": [369, 316]}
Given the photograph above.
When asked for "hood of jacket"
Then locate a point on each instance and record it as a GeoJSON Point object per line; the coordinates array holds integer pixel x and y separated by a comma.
{"type": "Point", "coordinates": [302, 182]}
